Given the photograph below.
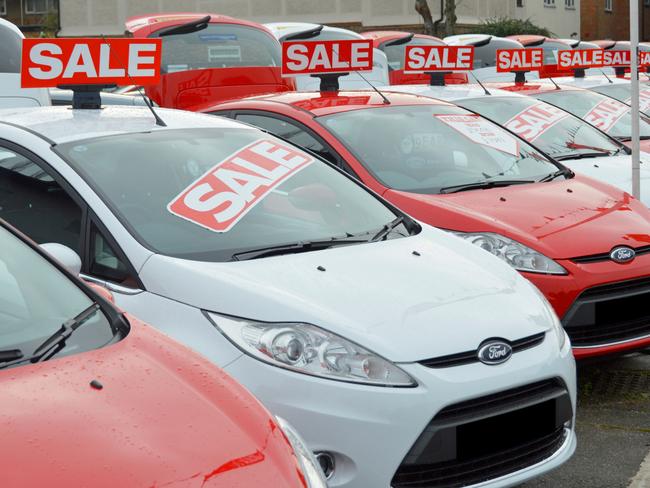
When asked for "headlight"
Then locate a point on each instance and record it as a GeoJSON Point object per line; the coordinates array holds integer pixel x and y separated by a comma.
{"type": "Point", "coordinates": [311, 350]}
{"type": "Point", "coordinates": [520, 257]}
{"type": "Point", "coordinates": [308, 463]}
{"type": "Point", "coordinates": [558, 330]}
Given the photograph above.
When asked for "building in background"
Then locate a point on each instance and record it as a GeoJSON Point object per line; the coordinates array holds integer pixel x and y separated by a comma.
{"type": "Point", "coordinates": [33, 17]}
{"type": "Point", "coordinates": [562, 17]}
{"type": "Point", "coordinates": [610, 19]}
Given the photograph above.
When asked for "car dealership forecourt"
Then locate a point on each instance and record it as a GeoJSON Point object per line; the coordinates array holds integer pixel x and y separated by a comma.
{"type": "Point", "coordinates": [396, 274]}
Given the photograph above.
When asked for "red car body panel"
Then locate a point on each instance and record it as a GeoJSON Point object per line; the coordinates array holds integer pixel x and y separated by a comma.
{"type": "Point", "coordinates": [193, 89]}
{"type": "Point", "coordinates": [398, 76]}
{"type": "Point", "coordinates": [164, 417]}
{"type": "Point", "coordinates": [570, 224]}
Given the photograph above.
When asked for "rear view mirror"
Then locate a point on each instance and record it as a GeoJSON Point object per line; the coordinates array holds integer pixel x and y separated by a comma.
{"type": "Point", "coordinates": [64, 255]}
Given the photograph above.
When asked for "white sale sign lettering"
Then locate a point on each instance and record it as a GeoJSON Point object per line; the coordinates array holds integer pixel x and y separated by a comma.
{"type": "Point", "coordinates": [535, 120]}
{"type": "Point", "coordinates": [606, 113]}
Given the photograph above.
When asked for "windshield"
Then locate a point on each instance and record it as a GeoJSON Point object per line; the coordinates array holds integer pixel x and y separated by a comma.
{"type": "Point", "coordinates": [207, 194]}
{"type": "Point", "coordinates": [424, 149]}
{"type": "Point", "coordinates": [554, 131]}
{"type": "Point", "coordinates": [485, 56]}
{"type": "Point", "coordinates": [219, 46]}
{"type": "Point", "coordinates": [605, 113]}
{"type": "Point", "coordinates": [10, 51]}
{"type": "Point", "coordinates": [623, 93]}
{"type": "Point", "coordinates": [396, 54]}
{"type": "Point", "coordinates": [550, 50]}
{"type": "Point", "coordinates": [37, 299]}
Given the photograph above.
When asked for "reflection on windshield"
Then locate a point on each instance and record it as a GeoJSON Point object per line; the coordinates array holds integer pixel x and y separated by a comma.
{"type": "Point", "coordinates": [236, 200]}
{"type": "Point", "coordinates": [423, 149]}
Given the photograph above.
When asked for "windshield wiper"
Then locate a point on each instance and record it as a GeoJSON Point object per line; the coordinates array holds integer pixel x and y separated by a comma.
{"type": "Point", "coordinates": [56, 341]}
{"type": "Point", "coordinates": [564, 157]}
{"type": "Point", "coordinates": [302, 246]}
{"type": "Point", "coordinates": [566, 172]}
{"type": "Point", "coordinates": [628, 138]}
{"type": "Point", "coordinates": [483, 185]}
{"type": "Point", "coordinates": [387, 229]}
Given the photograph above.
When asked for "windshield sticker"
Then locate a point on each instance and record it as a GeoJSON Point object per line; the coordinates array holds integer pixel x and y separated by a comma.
{"type": "Point", "coordinates": [535, 120]}
{"type": "Point", "coordinates": [217, 37]}
{"type": "Point", "coordinates": [644, 100]}
{"type": "Point", "coordinates": [482, 132]}
{"type": "Point", "coordinates": [232, 188]}
{"type": "Point", "coordinates": [606, 114]}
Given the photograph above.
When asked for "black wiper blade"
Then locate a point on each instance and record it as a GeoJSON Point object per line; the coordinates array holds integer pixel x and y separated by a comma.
{"type": "Point", "coordinates": [302, 246]}
{"type": "Point", "coordinates": [564, 157]}
{"type": "Point", "coordinates": [10, 355]}
{"type": "Point", "coordinates": [566, 172]}
{"type": "Point", "coordinates": [188, 28]}
{"type": "Point", "coordinates": [483, 185]}
{"type": "Point", "coordinates": [387, 229]}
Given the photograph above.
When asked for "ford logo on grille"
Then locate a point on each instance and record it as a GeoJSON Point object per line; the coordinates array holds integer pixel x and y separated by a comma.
{"type": "Point", "coordinates": [622, 254]}
{"type": "Point", "coordinates": [494, 352]}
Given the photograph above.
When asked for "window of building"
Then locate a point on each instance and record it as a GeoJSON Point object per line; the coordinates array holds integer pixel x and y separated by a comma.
{"type": "Point", "coordinates": [39, 6]}
{"type": "Point", "coordinates": [609, 5]}
{"type": "Point", "coordinates": [3, 7]}
{"type": "Point", "coordinates": [520, 3]}
{"type": "Point", "coordinates": [646, 3]}
{"type": "Point", "coordinates": [571, 4]}
{"type": "Point", "coordinates": [549, 3]}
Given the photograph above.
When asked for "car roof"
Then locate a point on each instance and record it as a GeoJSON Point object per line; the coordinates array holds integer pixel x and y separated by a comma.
{"type": "Point", "coordinates": [591, 81]}
{"type": "Point", "coordinates": [451, 93]}
{"type": "Point", "coordinates": [326, 103]}
{"type": "Point", "coordinates": [388, 35]}
{"type": "Point", "coordinates": [61, 124]}
{"type": "Point", "coordinates": [147, 24]}
{"type": "Point", "coordinates": [534, 86]}
{"type": "Point", "coordinates": [5, 24]}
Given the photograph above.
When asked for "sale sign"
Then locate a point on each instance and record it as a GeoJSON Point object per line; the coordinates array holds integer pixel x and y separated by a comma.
{"type": "Point", "coordinates": [616, 58]}
{"type": "Point", "coordinates": [606, 114]}
{"type": "Point", "coordinates": [51, 62]}
{"type": "Point", "coordinates": [535, 120]}
{"type": "Point", "coordinates": [509, 60]}
{"type": "Point", "coordinates": [324, 57]}
{"type": "Point", "coordinates": [580, 59]}
{"type": "Point", "coordinates": [644, 59]}
{"type": "Point", "coordinates": [482, 132]}
{"type": "Point", "coordinates": [426, 59]}
{"type": "Point", "coordinates": [233, 187]}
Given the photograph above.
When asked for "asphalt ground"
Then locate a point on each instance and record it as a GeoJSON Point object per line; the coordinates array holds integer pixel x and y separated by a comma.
{"type": "Point", "coordinates": [613, 426]}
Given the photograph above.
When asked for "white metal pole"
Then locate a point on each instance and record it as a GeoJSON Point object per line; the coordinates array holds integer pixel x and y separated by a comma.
{"type": "Point", "coordinates": [634, 69]}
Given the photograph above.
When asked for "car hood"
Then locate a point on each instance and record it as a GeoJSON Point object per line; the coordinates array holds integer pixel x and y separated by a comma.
{"type": "Point", "coordinates": [407, 299]}
{"type": "Point", "coordinates": [615, 170]}
{"type": "Point", "coordinates": [562, 219]}
{"type": "Point", "coordinates": [164, 417]}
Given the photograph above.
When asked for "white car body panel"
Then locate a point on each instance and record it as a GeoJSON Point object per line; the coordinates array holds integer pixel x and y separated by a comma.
{"type": "Point", "coordinates": [443, 305]}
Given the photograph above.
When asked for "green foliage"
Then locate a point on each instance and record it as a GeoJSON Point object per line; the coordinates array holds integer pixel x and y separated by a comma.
{"type": "Point", "coordinates": [504, 26]}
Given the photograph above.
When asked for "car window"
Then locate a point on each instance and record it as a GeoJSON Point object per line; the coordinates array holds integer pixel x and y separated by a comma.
{"type": "Point", "coordinates": [551, 49]}
{"type": "Point", "coordinates": [485, 55]}
{"type": "Point", "coordinates": [10, 51]}
{"type": "Point", "coordinates": [206, 194]}
{"type": "Point", "coordinates": [425, 149]}
{"type": "Point", "coordinates": [554, 131]}
{"type": "Point", "coordinates": [32, 201]}
{"type": "Point", "coordinates": [105, 262]}
{"type": "Point", "coordinates": [288, 131]}
{"type": "Point", "coordinates": [37, 299]}
{"type": "Point", "coordinates": [396, 54]}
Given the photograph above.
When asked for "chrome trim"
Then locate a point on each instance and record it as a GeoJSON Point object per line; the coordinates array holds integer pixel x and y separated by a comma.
{"type": "Point", "coordinates": [124, 290]}
{"type": "Point", "coordinates": [634, 339]}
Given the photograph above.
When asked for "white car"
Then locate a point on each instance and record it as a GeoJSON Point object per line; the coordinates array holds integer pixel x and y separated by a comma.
{"type": "Point", "coordinates": [11, 93]}
{"type": "Point", "coordinates": [404, 355]}
{"type": "Point", "coordinates": [561, 135]}
{"type": "Point", "coordinates": [317, 32]}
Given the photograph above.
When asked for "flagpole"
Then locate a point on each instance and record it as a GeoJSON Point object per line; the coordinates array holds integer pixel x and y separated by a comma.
{"type": "Point", "coordinates": [634, 102]}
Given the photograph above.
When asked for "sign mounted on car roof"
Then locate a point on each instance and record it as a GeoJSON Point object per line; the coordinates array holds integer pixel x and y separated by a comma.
{"type": "Point", "coordinates": [426, 59]}
{"type": "Point", "coordinates": [616, 58]}
{"type": "Point", "coordinates": [580, 59]}
{"type": "Point", "coordinates": [53, 62]}
{"type": "Point", "coordinates": [326, 57]}
{"type": "Point", "coordinates": [513, 60]}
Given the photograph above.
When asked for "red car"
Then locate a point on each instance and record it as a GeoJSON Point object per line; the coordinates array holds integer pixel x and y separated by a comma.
{"type": "Point", "coordinates": [93, 397]}
{"type": "Point", "coordinates": [394, 43]}
{"type": "Point", "coordinates": [207, 58]}
{"type": "Point", "coordinates": [455, 170]}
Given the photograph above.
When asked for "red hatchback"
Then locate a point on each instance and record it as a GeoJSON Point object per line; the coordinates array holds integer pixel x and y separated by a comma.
{"type": "Point", "coordinates": [93, 397]}
{"type": "Point", "coordinates": [585, 244]}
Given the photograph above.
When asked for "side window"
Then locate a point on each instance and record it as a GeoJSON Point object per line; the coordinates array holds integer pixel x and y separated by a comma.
{"type": "Point", "coordinates": [105, 263]}
{"type": "Point", "coordinates": [291, 132]}
{"type": "Point", "coordinates": [33, 202]}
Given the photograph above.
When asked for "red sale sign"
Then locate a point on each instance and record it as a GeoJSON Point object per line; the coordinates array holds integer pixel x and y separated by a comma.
{"type": "Point", "coordinates": [233, 187]}
{"type": "Point", "coordinates": [535, 121]}
{"type": "Point", "coordinates": [606, 113]}
{"type": "Point", "coordinates": [644, 59]}
{"type": "Point", "coordinates": [509, 60]}
{"type": "Point", "coordinates": [616, 58]}
{"type": "Point", "coordinates": [580, 59]}
{"type": "Point", "coordinates": [52, 62]}
{"type": "Point", "coordinates": [323, 57]}
{"type": "Point", "coordinates": [425, 59]}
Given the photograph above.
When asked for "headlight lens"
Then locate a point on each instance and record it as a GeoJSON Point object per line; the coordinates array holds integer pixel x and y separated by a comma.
{"type": "Point", "coordinates": [520, 257]}
{"type": "Point", "coordinates": [311, 350]}
{"type": "Point", "coordinates": [308, 463]}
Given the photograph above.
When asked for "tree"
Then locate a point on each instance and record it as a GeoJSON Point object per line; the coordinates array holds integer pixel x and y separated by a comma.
{"type": "Point", "coordinates": [422, 8]}
{"type": "Point", "coordinates": [431, 27]}
{"type": "Point", "coordinates": [450, 17]}
{"type": "Point", "coordinates": [504, 26]}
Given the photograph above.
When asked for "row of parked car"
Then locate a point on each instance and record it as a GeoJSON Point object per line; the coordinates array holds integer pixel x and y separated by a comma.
{"type": "Point", "coordinates": [401, 273]}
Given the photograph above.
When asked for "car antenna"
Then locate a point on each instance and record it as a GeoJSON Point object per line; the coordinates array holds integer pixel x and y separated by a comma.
{"type": "Point", "coordinates": [605, 75]}
{"type": "Point", "coordinates": [159, 122]}
{"type": "Point", "coordinates": [557, 87]}
{"type": "Point", "coordinates": [479, 82]}
{"type": "Point", "coordinates": [386, 100]}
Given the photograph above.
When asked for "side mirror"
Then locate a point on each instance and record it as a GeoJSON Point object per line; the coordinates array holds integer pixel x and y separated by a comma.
{"type": "Point", "coordinates": [64, 255]}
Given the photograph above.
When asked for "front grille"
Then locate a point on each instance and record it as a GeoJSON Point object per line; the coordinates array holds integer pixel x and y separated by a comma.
{"type": "Point", "coordinates": [610, 313]}
{"type": "Point", "coordinates": [469, 357]}
{"type": "Point", "coordinates": [596, 258]}
{"type": "Point", "coordinates": [488, 437]}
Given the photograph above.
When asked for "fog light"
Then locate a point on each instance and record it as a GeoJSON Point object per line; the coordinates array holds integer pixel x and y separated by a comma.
{"type": "Point", "coordinates": [327, 463]}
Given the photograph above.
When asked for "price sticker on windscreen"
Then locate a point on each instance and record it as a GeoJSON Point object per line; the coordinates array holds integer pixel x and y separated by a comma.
{"type": "Point", "coordinates": [511, 60]}
{"type": "Point", "coordinates": [617, 58]}
{"type": "Point", "coordinates": [482, 131]}
{"type": "Point", "coordinates": [426, 59]}
{"type": "Point", "coordinates": [325, 57]}
{"type": "Point", "coordinates": [52, 62]}
{"type": "Point", "coordinates": [580, 59]}
{"type": "Point", "coordinates": [233, 187]}
{"type": "Point", "coordinates": [535, 120]}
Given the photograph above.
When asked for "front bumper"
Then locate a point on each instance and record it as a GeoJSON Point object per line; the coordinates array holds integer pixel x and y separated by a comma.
{"type": "Point", "coordinates": [371, 430]}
